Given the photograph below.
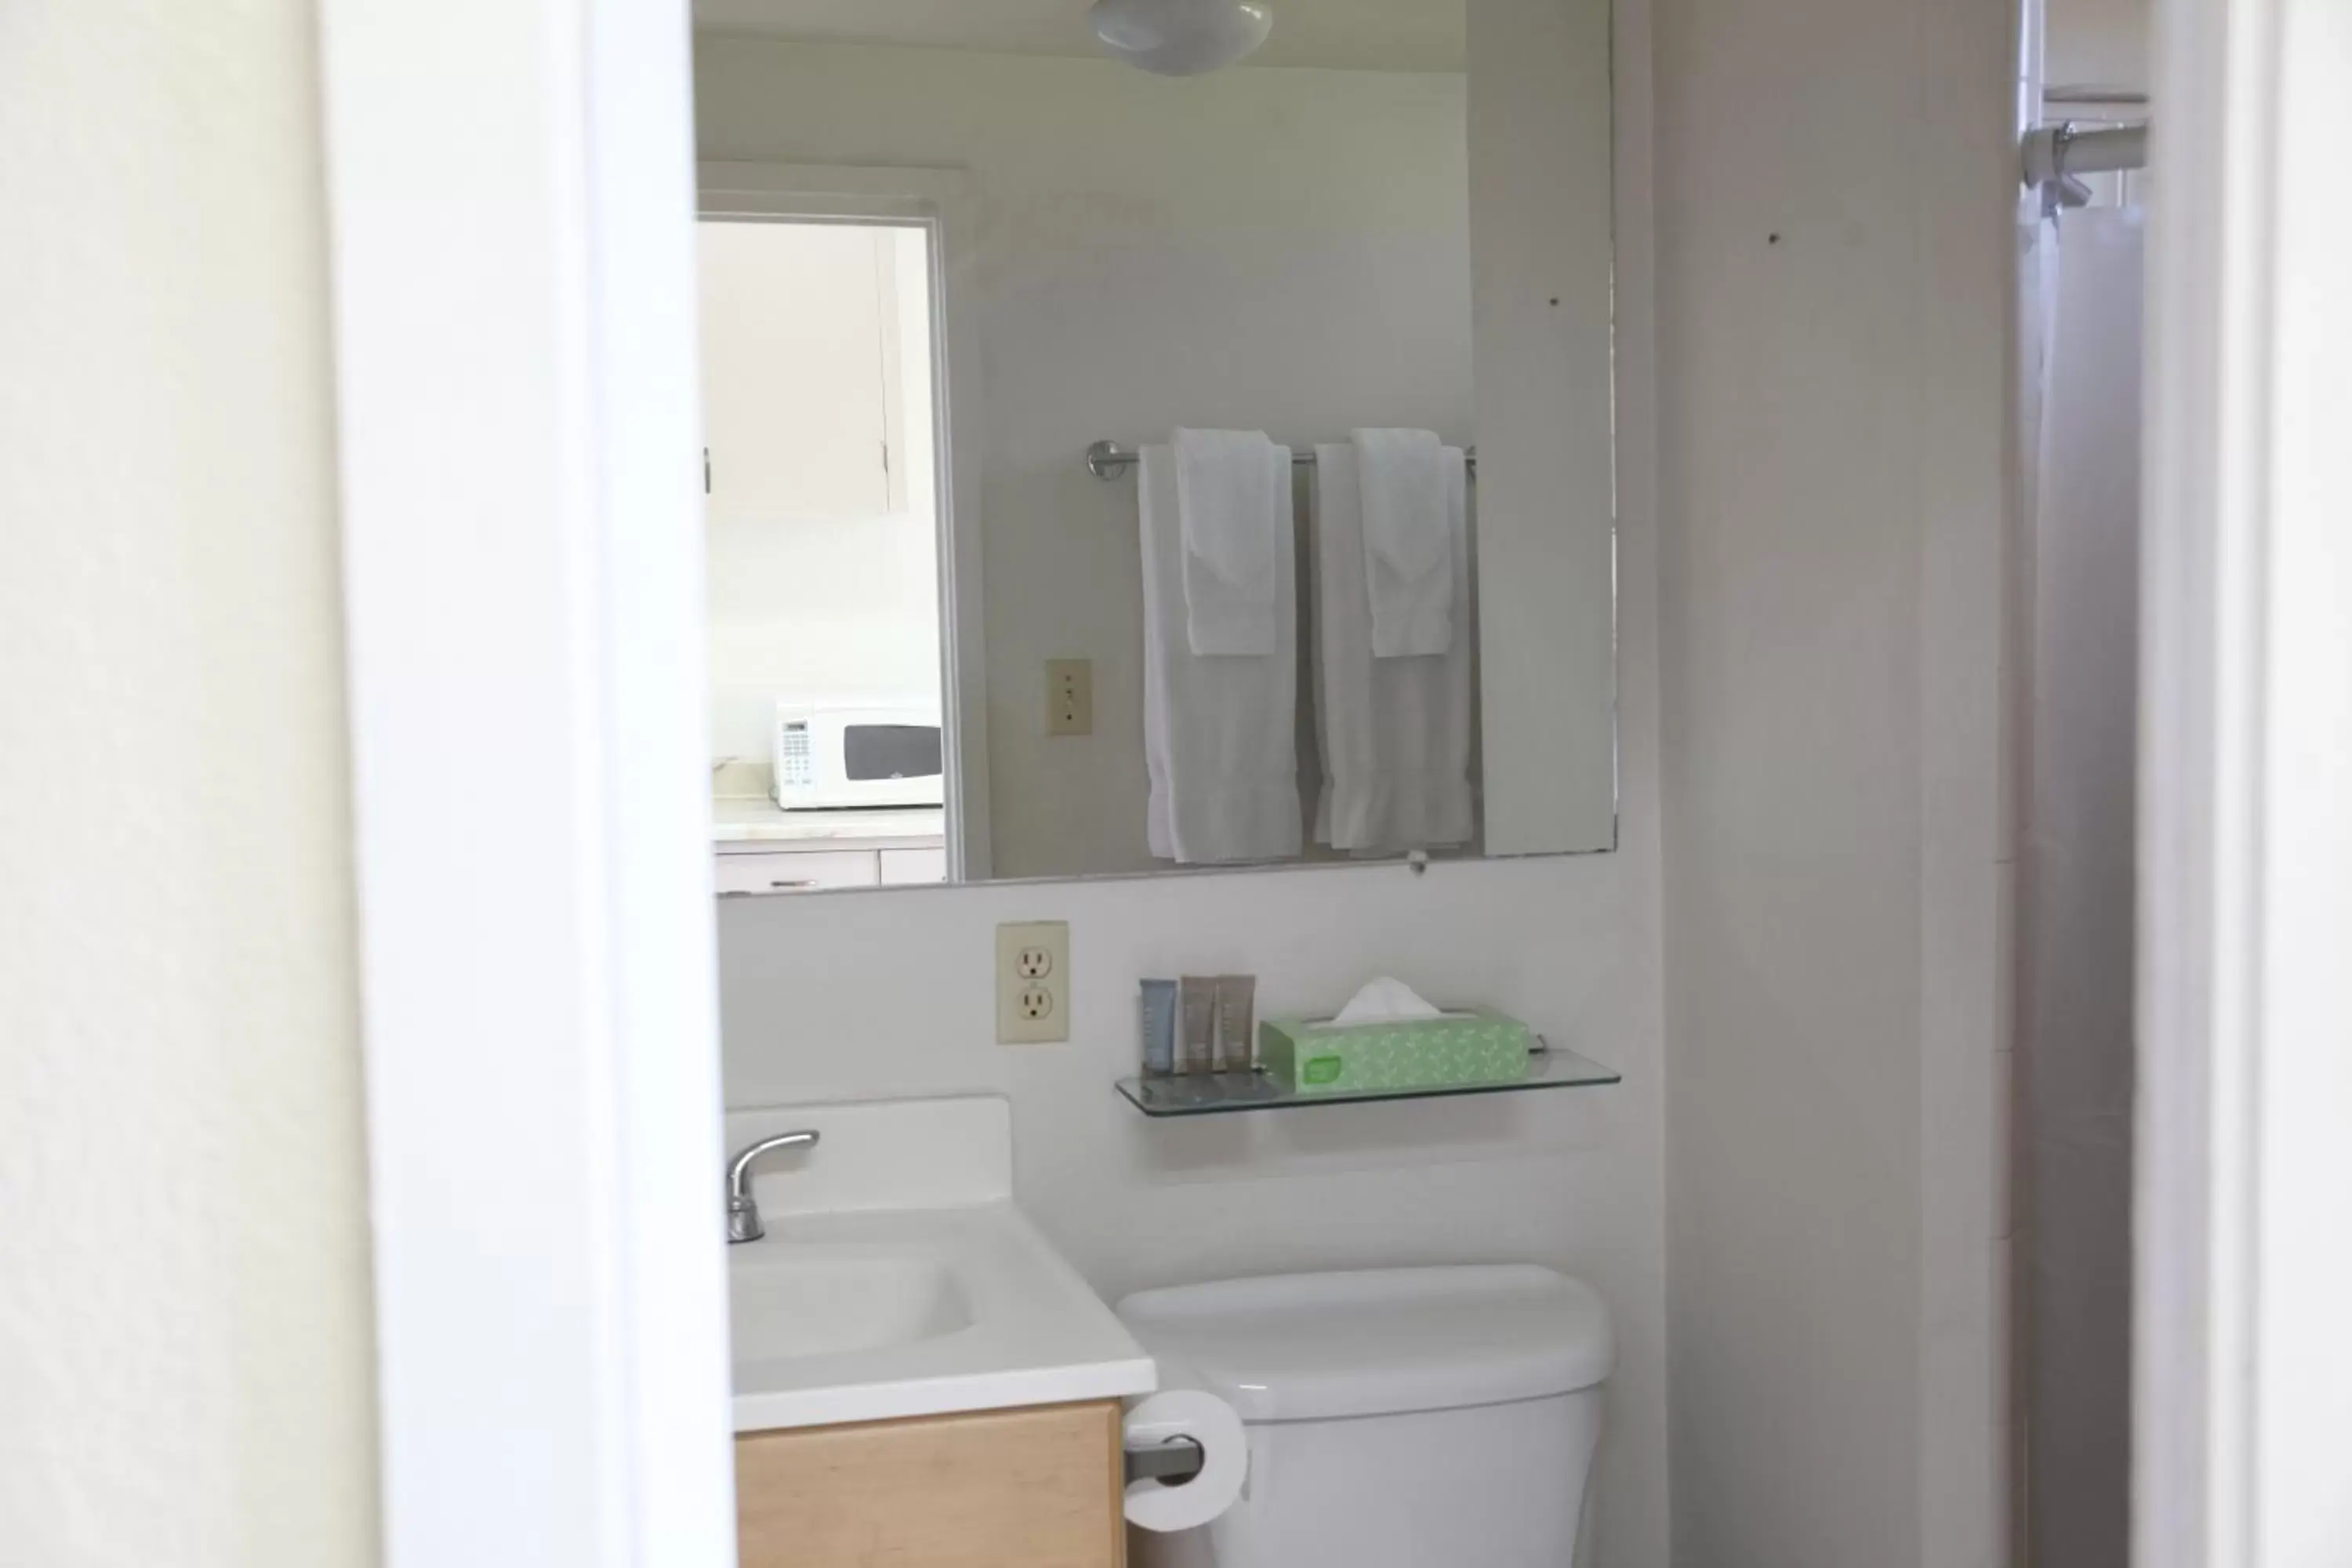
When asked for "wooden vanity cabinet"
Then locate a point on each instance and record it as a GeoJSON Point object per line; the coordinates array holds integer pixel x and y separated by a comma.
{"type": "Point", "coordinates": [1039, 1488]}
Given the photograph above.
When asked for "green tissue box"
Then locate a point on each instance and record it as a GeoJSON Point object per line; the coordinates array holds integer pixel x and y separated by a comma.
{"type": "Point", "coordinates": [1314, 1055]}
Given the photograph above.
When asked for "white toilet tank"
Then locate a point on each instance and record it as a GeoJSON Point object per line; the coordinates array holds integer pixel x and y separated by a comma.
{"type": "Point", "coordinates": [1397, 1418]}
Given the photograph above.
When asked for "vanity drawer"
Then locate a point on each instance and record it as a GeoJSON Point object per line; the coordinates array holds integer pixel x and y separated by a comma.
{"type": "Point", "coordinates": [907, 867]}
{"type": "Point", "coordinates": [785, 871]}
{"type": "Point", "coordinates": [996, 1488]}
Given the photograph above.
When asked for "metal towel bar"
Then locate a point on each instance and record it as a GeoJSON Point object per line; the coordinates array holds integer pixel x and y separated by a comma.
{"type": "Point", "coordinates": [1109, 460]}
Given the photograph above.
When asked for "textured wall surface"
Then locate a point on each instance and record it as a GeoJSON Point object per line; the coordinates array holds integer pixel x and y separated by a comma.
{"type": "Point", "coordinates": [185, 1362]}
{"type": "Point", "coordinates": [1834, 191]}
{"type": "Point", "coordinates": [2101, 42]}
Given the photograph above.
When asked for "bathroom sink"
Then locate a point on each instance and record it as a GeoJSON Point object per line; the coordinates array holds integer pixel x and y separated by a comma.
{"type": "Point", "coordinates": [897, 1278]}
{"type": "Point", "coordinates": [821, 1300]}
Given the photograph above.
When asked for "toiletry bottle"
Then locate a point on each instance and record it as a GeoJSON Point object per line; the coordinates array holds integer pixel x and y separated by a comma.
{"type": "Point", "coordinates": [1196, 997]}
{"type": "Point", "coordinates": [1158, 1008]}
{"type": "Point", "coordinates": [1237, 1023]}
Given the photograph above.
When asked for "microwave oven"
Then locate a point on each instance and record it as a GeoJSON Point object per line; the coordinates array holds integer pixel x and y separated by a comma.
{"type": "Point", "coordinates": [835, 756]}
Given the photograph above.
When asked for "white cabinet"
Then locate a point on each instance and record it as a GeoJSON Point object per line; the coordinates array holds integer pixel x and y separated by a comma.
{"type": "Point", "coordinates": [801, 370]}
{"type": "Point", "coordinates": [787, 866]}
{"type": "Point", "coordinates": [793, 871]}
{"type": "Point", "coordinates": [911, 867]}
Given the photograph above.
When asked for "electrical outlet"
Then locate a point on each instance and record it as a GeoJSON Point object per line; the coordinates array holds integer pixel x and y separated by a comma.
{"type": "Point", "coordinates": [1069, 696]}
{"type": "Point", "coordinates": [1033, 983]}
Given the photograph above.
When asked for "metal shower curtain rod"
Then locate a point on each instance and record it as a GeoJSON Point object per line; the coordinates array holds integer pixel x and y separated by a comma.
{"type": "Point", "coordinates": [2055, 152]}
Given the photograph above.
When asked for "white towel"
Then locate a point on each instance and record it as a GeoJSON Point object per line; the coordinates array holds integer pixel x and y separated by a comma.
{"type": "Point", "coordinates": [1227, 503]}
{"type": "Point", "coordinates": [1220, 732]}
{"type": "Point", "coordinates": [1407, 563]}
{"type": "Point", "coordinates": [1394, 733]}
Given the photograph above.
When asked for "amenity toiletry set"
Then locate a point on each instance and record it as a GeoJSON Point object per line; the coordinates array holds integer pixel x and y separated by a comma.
{"type": "Point", "coordinates": [1201, 1024]}
{"type": "Point", "coordinates": [1386, 1038]}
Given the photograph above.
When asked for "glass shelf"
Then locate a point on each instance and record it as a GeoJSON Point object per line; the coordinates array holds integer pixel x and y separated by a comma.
{"type": "Point", "coordinates": [1218, 1093]}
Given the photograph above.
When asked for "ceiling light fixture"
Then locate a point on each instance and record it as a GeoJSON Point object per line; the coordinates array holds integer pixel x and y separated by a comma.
{"type": "Point", "coordinates": [1182, 38]}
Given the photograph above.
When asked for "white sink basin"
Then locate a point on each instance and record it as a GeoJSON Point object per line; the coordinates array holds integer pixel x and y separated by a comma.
{"type": "Point", "coordinates": [898, 1278]}
{"type": "Point", "coordinates": [823, 1301]}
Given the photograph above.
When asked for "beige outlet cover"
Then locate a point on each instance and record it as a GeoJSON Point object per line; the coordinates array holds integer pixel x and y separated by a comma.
{"type": "Point", "coordinates": [1069, 696]}
{"type": "Point", "coordinates": [1033, 983]}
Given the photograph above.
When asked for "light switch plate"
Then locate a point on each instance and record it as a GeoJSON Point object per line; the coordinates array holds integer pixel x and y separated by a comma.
{"type": "Point", "coordinates": [1069, 696]}
{"type": "Point", "coordinates": [1033, 983]}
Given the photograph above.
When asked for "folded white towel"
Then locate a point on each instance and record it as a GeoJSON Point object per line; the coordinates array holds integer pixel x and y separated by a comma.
{"type": "Point", "coordinates": [1408, 563]}
{"type": "Point", "coordinates": [1220, 732]}
{"type": "Point", "coordinates": [1227, 500]}
{"type": "Point", "coordinates": [1393, 733]}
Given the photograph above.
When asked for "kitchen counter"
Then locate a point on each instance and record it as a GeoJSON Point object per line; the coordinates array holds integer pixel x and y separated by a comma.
{"type": "Point", "coordinates": [756, 819]}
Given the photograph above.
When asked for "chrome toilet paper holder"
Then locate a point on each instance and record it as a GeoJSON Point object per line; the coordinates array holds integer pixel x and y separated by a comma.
{"type": "Point", "coordinates": [1172, 1463]}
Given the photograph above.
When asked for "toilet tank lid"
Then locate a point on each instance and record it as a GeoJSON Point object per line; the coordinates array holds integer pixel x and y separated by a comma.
{"type": "Point", "coordinates": [1306, 1347]}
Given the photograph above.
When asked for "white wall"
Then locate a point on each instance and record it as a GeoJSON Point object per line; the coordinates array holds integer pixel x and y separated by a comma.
{"type": "Point", "coordinates": [830, 607]}
{"type": "Point", "coordinates": [1834, 196]}
{"type": "Point", "coordinates": [1283, 249]}
{"type": "Point", "coordinates": [2101, 42]}
{"type": "Point", "coordinates": [819, 607]}
{"type": "Point", "coordinates": [185, 1334]}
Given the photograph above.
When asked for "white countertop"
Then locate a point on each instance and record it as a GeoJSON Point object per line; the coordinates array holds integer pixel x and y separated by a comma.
{"type": "Point", "coordinates": [756, 819]}
{"type": "Point", "coordinates": [898, 1277]}
{"type": "Point", "coordinates": [1035, 1333]}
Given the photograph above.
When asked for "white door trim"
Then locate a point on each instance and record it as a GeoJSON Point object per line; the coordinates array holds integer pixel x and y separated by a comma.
{"type": "Point", "coordinates": [942, 200]}
{"type": "Point", "coordinates": [509, 188]}
{"type": "Point", "coordinates": [2244, 1367]}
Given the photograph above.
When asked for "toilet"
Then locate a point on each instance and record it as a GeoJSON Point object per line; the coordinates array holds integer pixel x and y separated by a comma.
{"type": "Point", "coordinates": [1396, 1417]}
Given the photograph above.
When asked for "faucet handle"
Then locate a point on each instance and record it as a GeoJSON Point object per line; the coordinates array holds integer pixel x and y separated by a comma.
{"type": "Point", "coordinates": [742, 1208]}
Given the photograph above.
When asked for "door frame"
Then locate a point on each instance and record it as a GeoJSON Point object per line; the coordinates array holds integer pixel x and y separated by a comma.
{"type": "Point", "coordinates": [510, 245]}
{"type": "Point", "coordinates": [2242, 1368]}
{"type": "Point", "coordinates": [940, 201]}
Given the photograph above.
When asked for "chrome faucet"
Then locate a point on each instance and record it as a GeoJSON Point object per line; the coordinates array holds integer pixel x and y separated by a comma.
{"type": "Point", "coordinates": [742, 1208]}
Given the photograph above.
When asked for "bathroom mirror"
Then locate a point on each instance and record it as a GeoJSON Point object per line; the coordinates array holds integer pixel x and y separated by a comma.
{"type": "Point", "coordinates": [978, 611]}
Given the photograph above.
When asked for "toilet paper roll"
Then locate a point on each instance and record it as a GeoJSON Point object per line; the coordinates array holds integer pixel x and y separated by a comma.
{"type": "Point", "coordinates": [1224, 1459]}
